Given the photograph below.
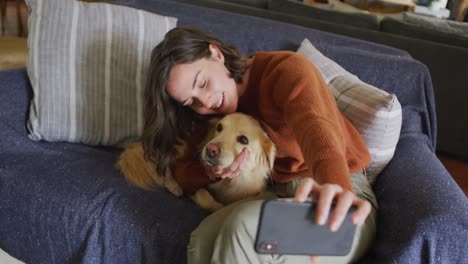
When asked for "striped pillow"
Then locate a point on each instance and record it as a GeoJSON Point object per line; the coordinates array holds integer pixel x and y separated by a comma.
{"type": "Point", "coordinates": [87, 65]}
{"type": "Point", "coordinates": [375, 113]}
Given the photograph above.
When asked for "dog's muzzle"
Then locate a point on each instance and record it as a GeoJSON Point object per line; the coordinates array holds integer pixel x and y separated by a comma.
{"type": "Point", "coordinates": [213, 152]}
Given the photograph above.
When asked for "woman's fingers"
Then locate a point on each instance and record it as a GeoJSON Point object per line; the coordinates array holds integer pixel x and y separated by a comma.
{"type": "Point", "coordinates": [314, 259]}
{"type": "Point", "coordinates": [209, 171]}
{"type": "Point", "coordinates": [303, 190]}
{"type": "Point", "coordinates": [238, 165]}
{"type": "Point", "coordinates": [233, 170]}
{"type": "Point", "coordinates": [237, 161]}
{"type": "Point", "coordinates": [326, 197]}
{"type": "Point", "coordinates": [217, 170]}
{"type": "Point", "coordinates": [344, 202]}
{"type": "Point", "coordinates": [363, 210]}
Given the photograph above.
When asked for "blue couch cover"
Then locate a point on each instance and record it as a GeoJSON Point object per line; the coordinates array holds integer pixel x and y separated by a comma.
{"type": "Point", "coordinates": [66, 203]}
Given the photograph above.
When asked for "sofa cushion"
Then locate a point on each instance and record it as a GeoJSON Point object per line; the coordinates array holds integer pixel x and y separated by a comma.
{"type": "Point", "coordinates": [425, 32]}
{"type": "Point", "coordinates": [375, 113]}
{"type": "Point", "coordinates": [360, 20]}
{"type": "Point", "coordinates": [87, 66]}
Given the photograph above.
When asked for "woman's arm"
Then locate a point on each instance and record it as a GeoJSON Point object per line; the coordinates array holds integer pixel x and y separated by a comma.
{"type": "Point", "coordinates": [189, 171]}
{"type": "Point", "coordinates": [310, 111]}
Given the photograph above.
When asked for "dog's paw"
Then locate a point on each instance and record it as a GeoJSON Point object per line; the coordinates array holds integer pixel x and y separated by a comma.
{"type": "Point", "coordinates": [205, 200]}
{"type": "Point", "coordinates": [173, 188]}
{"type": "Point", "coordinates": [214, 207]}
{"type": "Point", "coordinates": [171, 185]}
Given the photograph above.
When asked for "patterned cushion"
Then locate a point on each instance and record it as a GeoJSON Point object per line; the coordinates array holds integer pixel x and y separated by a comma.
{"type": "Point", "coordinates": [87, 66]}
{"type": "Point", "coordinates": [375, 113]}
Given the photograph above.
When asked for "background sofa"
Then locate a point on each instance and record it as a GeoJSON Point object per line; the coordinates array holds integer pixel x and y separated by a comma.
{"type": "Point", "coordinates": [66, 203]}
{"type": "Point", "coordinates": [444, 52]}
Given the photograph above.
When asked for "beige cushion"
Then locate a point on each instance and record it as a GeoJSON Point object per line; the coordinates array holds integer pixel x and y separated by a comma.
{"type": "Point", "coordinates": [88, 64]}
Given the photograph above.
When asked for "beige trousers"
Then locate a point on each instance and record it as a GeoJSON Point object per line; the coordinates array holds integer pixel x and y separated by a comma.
{"type": "Point", "coordinates": [228, 235]}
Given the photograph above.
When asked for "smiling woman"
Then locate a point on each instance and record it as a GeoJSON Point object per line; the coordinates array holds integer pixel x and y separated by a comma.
{"type": "Point", "coordinates": [204, 86]}
{"type": "Point", "coordinates": [184, 81]}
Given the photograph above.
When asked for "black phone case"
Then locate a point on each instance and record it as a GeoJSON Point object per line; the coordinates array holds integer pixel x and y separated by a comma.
{"type": "Point", "coordinates": [290, 228]}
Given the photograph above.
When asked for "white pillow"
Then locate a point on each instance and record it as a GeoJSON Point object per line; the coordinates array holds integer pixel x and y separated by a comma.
{"type": "Point", "coordinates": [375, 113]}
{"type": "Point", "coordinates": [88, 64]}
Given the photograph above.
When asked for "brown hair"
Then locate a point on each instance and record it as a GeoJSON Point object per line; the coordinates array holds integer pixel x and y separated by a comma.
{"type": "Point", "coordinates": [167, 123]}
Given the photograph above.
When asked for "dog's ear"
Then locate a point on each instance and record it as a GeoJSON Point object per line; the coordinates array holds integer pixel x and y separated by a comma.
{"type": "Point", "coordinates": [269, 152]}
{"type": "Point", "coordinates": [213, 121]}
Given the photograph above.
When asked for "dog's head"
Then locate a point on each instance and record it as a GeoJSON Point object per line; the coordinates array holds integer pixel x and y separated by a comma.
{"type": "Point", "coordinates": [230, 135]}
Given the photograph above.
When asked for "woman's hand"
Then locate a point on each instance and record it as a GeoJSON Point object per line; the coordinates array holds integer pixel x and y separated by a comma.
{"type": "Point", "coordinates": [325, 195]}
{"type": "Point", "coordinates": [232, 171]}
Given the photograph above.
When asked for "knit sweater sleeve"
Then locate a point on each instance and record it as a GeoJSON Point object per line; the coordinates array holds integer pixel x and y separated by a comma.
{"type": "Point", "coordinates": [310, 111]}
{"type": "Point", "coordinates": [189, 171]}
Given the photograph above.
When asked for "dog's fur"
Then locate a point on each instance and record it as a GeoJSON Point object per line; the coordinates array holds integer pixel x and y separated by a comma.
{"type": "Point", "coordinates": [225, 140]}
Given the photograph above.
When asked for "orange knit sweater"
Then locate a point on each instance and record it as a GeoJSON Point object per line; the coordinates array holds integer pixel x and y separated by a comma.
{"type": "Point", "coordinates": [297, 110]}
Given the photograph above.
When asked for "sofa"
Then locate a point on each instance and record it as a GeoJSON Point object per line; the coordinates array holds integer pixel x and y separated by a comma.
{"type": "Point", "coordinates": [64, 202]}
{"type": "Point", "coordinates": [444, 52]}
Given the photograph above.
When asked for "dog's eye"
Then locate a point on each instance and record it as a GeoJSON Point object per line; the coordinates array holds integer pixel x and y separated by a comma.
{"type": "Point", "coordinates": [219, 128]}
{"type": "Point", "coordinates": [243, 140]}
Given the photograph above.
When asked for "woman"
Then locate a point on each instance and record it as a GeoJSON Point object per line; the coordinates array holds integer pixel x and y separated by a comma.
{"type": "Point", "coordinates": [193, 75]}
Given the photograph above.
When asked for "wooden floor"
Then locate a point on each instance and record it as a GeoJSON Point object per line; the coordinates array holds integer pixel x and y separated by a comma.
{"type": "Point", "coordinates": [458, 170]}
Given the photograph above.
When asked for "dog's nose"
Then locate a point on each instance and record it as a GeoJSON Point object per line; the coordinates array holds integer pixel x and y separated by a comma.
{"type": "Point", "coordinates": [213, 150]}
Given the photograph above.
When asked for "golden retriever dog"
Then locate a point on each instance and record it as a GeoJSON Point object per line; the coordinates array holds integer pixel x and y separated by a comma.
{"type": "Point", "coordinates": [225, 140]}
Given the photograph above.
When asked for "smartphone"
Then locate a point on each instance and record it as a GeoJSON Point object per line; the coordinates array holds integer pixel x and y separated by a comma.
{"type": "Point", "coordinates": [290, 228]}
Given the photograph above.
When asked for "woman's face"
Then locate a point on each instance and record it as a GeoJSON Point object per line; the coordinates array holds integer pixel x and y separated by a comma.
{"type": "Point", "coordinates": [204, 85]}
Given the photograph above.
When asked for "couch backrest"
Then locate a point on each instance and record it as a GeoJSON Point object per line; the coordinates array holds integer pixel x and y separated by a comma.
{"type": "Point", "coordinates": [394, 26]}
{"type": "Point", "coordinates": [295, 8]}
{"type": "Point", "coordinates": [253, 3]}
